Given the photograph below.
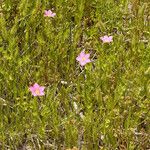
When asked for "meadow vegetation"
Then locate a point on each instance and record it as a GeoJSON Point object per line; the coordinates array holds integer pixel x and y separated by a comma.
{"type": "Point", "coordinates": [101, 105]}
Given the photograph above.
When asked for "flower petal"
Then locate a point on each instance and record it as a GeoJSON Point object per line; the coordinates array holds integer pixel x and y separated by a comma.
{"type": "Point", "coordinates": [41, 94]}
{"type": "Point", "coordinates": [82, 63]}
{"type": "Point", "coordinates": [87, 56]}
{"type": "Point", "coordinates": [78, 58]}
{"type": "Point", "coordinates": [82, 54]}
{"type": "Point", "coordinates": [41, 88]}
{"type": "Point", "coordinates": [36, 86]}
{"type": "Point", "coordinates": [88, 60]}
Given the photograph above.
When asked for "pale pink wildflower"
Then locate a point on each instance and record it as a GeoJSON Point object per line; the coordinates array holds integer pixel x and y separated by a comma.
{"type": "Point", "coordinates": [37, 90]}
{"type": "Point", "coordinates": [83, 58]}
{"type": "Point", "coordinates": [49, 13]}
{"type": "Point", "coordinates": [107, 39]}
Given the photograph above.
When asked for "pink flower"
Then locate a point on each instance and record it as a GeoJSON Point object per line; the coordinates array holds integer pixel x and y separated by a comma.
{"type": "Point", "coordinates": [37, 90]}
{"type": "Point", "coordinates": [83, 58]}
{"type": "Point", "coordinates": [107, 39]}
{"type": "Point", "coordinates": [49, 13]}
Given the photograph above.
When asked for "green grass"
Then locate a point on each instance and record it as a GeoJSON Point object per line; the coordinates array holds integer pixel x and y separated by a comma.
{"type": "Point", "coordinates": [112, 92]}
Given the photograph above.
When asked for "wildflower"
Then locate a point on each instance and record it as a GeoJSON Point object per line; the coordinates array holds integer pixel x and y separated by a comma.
{"type": "Point", "coordinates": [37, 90]}
{"type": "Point", "coordinates": [107, 39]}
{"type": "Point", "coordinates": [83, 58]}
{"type": "Point", "coordinates": [49, 13]}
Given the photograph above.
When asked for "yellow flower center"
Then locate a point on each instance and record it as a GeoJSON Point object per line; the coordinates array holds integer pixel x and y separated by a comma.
{"type": "Point", "coordinates": [83, 58]}
{"type": "Point", "coordinates": [37, 91]}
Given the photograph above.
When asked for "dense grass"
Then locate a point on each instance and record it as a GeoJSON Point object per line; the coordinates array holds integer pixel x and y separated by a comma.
{"type": "Point", "coordinates": [112, 92]}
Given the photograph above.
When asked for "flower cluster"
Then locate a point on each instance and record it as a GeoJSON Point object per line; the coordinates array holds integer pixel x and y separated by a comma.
{"type": "Point", "coordinates": [83, 58]}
